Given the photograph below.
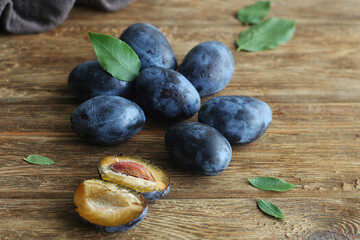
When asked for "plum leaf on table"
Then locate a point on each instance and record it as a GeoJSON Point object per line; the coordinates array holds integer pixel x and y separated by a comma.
{"type": "Point", "coordinates": [254, 13]}
{"type": "Point", "coordinates": [267, 35]}
{"type": "Point", "coordinates": [271, 184]}
{"type": "Point", "coordinates": [39, 160]}
{"type": "Point", "coordinates": [270, 209]}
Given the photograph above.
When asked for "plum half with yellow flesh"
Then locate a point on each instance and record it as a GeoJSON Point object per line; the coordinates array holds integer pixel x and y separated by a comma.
{"type": "Point", "coordinates": [109, 207]}
{"type": "Point", "coordinates": [136, 173]}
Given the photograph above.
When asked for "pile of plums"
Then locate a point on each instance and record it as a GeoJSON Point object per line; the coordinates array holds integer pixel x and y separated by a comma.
{"type": "Point", "coordinates": [113, 110]}
{"type": "Point", "coordinates": [108, 116]}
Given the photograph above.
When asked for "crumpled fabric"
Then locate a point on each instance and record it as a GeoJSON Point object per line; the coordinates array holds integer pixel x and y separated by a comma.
{"type": "Point", "coordinates": [34, 16]}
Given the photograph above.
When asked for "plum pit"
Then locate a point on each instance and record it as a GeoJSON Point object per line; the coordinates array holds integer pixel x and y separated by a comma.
{"type": "Point", "coordinates": [132, 169]}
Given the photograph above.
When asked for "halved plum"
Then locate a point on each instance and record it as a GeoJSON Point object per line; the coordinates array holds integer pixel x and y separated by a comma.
{"type": "Point", "coordinates": [136, 173]}
{"type": "Point", "coordinates": [109, 207]}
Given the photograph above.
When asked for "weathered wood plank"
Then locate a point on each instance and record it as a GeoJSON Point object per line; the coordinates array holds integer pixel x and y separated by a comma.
{"type": "Point", "coordinates": [192, 219]}
{"type": "Point", "coordinates": [311, 83]}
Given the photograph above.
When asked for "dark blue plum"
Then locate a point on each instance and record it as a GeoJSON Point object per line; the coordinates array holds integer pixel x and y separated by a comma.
{"type": "Point", "coordinates": [107, 120]}
{"type": "Point", "coordinates": [150, 45]}
{"type": "Point", "coordinates": [198, 147]}
{"type": "Point", "coordinates": [89, 80]}
{"type": "Point", "coordinates": [166, 94]}
{"type": "Point", "coordinates": [240, 119]}
{"type": "Point", "coordinates": [209, 66]}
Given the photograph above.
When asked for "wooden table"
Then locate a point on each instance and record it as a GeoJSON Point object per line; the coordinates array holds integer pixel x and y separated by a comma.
{"type": "Point", "coordinates": [312, 85]}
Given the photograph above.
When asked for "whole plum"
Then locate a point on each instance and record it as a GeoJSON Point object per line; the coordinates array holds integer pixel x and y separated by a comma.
{"type": "Point", "coordinates": [150, 45]}
{"type": "Point", "coordinates": [166, 94]}
{"type": "Point", "coordinates": [209, 66]}
{"type": "Point", "coordinates": [107, 120]}
{"type": "Point", "coordinates": [240, 119]}
{"type": "Point", "coordinates": [89, 80]}
{"type": "Point", "coordinates": [198, 147]}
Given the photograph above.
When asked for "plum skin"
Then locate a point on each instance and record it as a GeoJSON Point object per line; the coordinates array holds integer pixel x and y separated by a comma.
{"type": "Point", "coordinates": [198, 147]}
{"type": "Point", "coordinates": [107, 120]}
{"type": "Point", "coordinates": [240, 119]}
{"type": "Point", "coordinates": [120, 228]}
{"type": "Point", "coordinates": [150, 45]}
{"type": "Point", "coordinates": [166, 94]}
{"type": "Point", "coordinates": [156, 195]}
{"type": "Point", "coordinates": [209, 66]}
{"type": "Point", "coordinates": [89, 80]}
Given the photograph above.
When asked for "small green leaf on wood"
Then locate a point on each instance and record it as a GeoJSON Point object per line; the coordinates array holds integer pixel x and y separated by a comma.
{"type": "Point", "coordinates": [115, 56]}
{"type": "Point", "coordinates": [39, 160]}
{"type": "Point", "coordinates": [254, 13]}
{"type": "Point", "coordinates": [269, 34]}
{"type": "Point", "coordinates": [270, 209]}
{"type": "Point", "coordinates": [271, 184]}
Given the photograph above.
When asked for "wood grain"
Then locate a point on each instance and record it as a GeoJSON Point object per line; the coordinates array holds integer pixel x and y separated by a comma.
{"type": "Point", "coordinates": [311, 83]}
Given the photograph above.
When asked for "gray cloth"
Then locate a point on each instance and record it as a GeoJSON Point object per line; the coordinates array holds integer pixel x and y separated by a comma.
{"type": "Point", "coordinates": [33, 16]}
{"type": "Point", "coordinates": [106, 5]}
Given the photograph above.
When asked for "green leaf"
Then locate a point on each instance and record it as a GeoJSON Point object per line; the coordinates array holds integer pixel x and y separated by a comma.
{"type": "Point", "coordinates": [270, 209]}
{"type": "Point", "coordinates": [267, 35]}
{"type": "Point", "coordinates": [39, 160]}
{"type": "Point", "coordinates": [255, 13]}
{"type": "Point", "coordinates": [115, 56]}
{"type": "Point", "coordinates": [271, 184]}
